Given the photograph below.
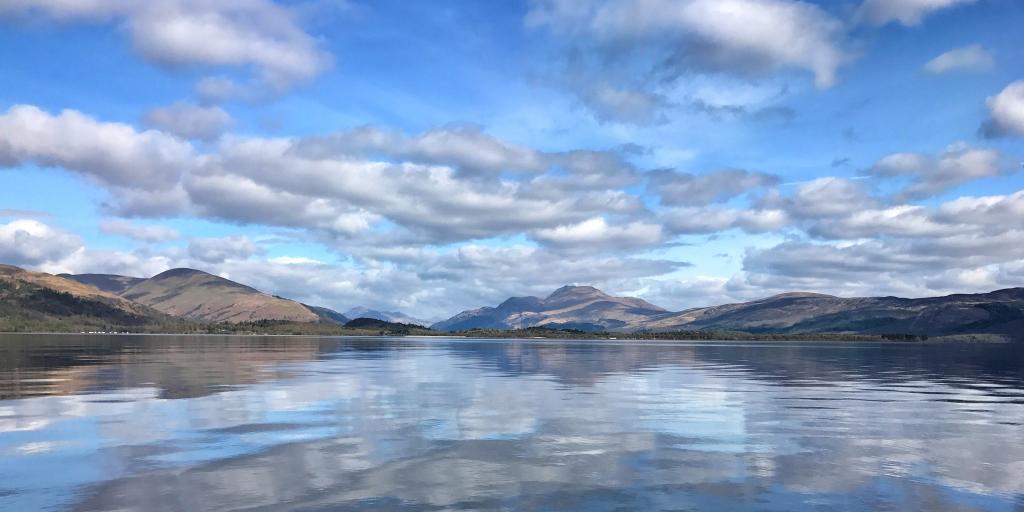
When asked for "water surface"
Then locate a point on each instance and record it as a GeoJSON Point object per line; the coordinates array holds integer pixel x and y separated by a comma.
{"type": "Point", "coordinates": [93, 423]}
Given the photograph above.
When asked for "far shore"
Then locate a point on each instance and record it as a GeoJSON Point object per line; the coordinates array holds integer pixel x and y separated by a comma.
{"type": "Point", "coordinates": [568, 336]}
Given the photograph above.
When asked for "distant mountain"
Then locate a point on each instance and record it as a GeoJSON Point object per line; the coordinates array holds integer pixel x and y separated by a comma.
{"type": "Point", "coordinates": [998, 312]}
{"type": "Point", "coordinates": [589, 309]}
{"type": "Point", "coordinates": [111, 283]}
{"type": "Point", "coordinates": [39, 301]}
{"type": "Point", "coordinates": [197, 295]}
{"type": "Point", "coordinates": [576, 307]}
{"type": "Point", "coordinates": [387, 316]}
{"type": "Point", "coordinates": [328, 315]}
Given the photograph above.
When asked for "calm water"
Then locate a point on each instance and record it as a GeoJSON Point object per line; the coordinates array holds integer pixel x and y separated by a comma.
{"type": "Point", "coordinates": [239, 423]}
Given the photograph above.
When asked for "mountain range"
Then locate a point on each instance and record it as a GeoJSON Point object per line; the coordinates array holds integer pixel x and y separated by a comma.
{"type": "Point", "coordinates": [43, 301]}
{"type": "Point", "coordinates": [569, 307]}
{"type": "Point", "coordinates": [589, 309]}
{"type": "Point", "coordinates": [388, 316]}
{"type": "Point", "coordinates": [199, 296]}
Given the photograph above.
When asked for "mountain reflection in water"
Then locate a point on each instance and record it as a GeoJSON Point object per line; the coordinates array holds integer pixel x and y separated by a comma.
{"type": "Point", "coordinates": [282, 423]}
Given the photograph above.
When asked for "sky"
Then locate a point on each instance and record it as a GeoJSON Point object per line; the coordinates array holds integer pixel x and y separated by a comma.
{"type": "Point", "coordinates": [435, 156]}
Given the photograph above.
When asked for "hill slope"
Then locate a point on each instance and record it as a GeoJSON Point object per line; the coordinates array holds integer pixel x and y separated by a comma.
{"type": "Point", "coordinates": [387, 316]}
{"type": "Point", "coordinates": [39, 301]}
{"type": "Point", "coordinates": [1000, 312]}
{"type": "Point", "coordinates": [577, 307]}
{"type": "Point", "coordinates": [111, 283]}
{"type": "Point", "coordinates": [197, 295]}
{"type": "Point", "coordinates": [586, 308]}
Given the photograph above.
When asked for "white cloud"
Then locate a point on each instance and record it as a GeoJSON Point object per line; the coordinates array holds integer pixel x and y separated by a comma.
{"type": "Point", "coordinates": [701, 220]}
{"type": "Point", "coordinates": [256, 34]}
{"type": "Point", "coordinates": [1006, 112]}
{"type": "Point", "coordinates": [824, 197]}
{"type": "Point", "coordinates": [284, 182]}
{"type": "Point", "coordinates": [967, 58]}
{"type": "Point", "coordinates": [596, 234]}
{"type": "Point", "coordinates": [30, 242]}
{"type": "Point", "coordinates": [931, 175]}
{"type": "Point", "coordinates": [219, 250]}
{"type": "Point", "coordinates": [466, 148]}
{"type": "Point", "coordinates": [989, 212]}
{"type": "Point", "coordinates": [683, 189]}
{"type": "Point", "coordinates": [189, 121]}
{"type": "Point", "coordinates": [141, 233]}
{"type": "Point", "coordinates": [114, 153]}
{"type": "Point", "coordinates": [903, 220]}
{"type": "Point", "coordinates": [905, 12]}
{"type": "Point", "coordinates": [733, 35]}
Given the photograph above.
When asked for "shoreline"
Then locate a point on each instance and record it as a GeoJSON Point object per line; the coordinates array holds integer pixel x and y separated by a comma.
{"type": "Point", "coordinates": [576, 337]}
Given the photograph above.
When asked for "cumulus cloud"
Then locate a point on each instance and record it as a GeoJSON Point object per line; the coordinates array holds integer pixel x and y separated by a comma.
{"type": "Point", "coordinates": [931, 175]}
{"type": "Point", "coordinates": [219, 250]}
{"type": "Point", "coordinates": [189, 121]}
{"type": "Point", "coordinates": [596, 234]}
{"type": "Point", "coordinates": [698, 220]}
{"type": "Point", "coordinates": [991, 212]}
{"type": "Point", "coordinates": [684, 189]}
{"type": "Point", "coordinates": [466, 148]}
{"type": "Point", "coordinates": [139, 232]}
{"type": "Point", "coordinates": [113, 153]}
{"type": "Point", "coordinates": [596, 169]}
{"type": "Point", "coordinates": [265, 179]}
{"type": "Point", "coordinates": [822, 197]}
{"type": "Point", "coordinates": [30, 242]}
{"type": "Point", "coordinates": [969, 58]}
{"type": "Point", "coordinates": [964, 245]}
{"type": "Point", "coordinates": [253, 34]}
{"type": "Point", "coordinates": [1006, 112]}
{"type": "Point", "coordinates": [905, 12]}
{"type": "Point", "coordinates": [903, 220]}
{"type": "Point", "coordinates": [744, 36]}
{"type": "Point", "coordinates": [875, 260]}
{"type": "Point", "coordinates": [421, 185]}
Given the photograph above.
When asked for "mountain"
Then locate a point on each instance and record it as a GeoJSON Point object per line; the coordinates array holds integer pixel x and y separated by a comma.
{"type": "Point", "coordinates": [39, 301]}
{"type": "Point", "coordinates": [111, 283]}
{"type": "Point", "coordinates": [998, 312]}
{"type": "Point", "coordinates": [589, 309]}
{"type": "Point", "coordinates": [576, 307]}
{"type": "Point", "coordinates": [197, 295]}
{"type": "Point", "coordinates": [388, 316]}
{"type": "Point", "coordinates": [328, 315]}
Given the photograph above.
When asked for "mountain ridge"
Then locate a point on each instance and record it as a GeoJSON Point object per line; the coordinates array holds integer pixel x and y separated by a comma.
{"type": "Point", "coordinates": [396, 317]}
{"type": "Point", "coordinates": [589, 309]}
{"type": "Point", "coordinates": [200, 296]}
{"type": "Point", "coordinates": [195, 295]}
{"type": "Point", "coordinates": [573, 305]}
{"type": "Point", "coordinates": [39, 299]}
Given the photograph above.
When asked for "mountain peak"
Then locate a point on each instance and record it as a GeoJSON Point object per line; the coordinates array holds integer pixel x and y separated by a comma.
{"type": "Point", "coordinates": [198, 295]}
{"type": "Point", "coordinates": [575, 292]}
{"type": "Point", "coordinates": [180, 272]}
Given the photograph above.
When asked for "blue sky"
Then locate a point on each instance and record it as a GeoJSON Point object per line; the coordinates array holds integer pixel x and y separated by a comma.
{"type": "Point", "coordinates": [435, 156]}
